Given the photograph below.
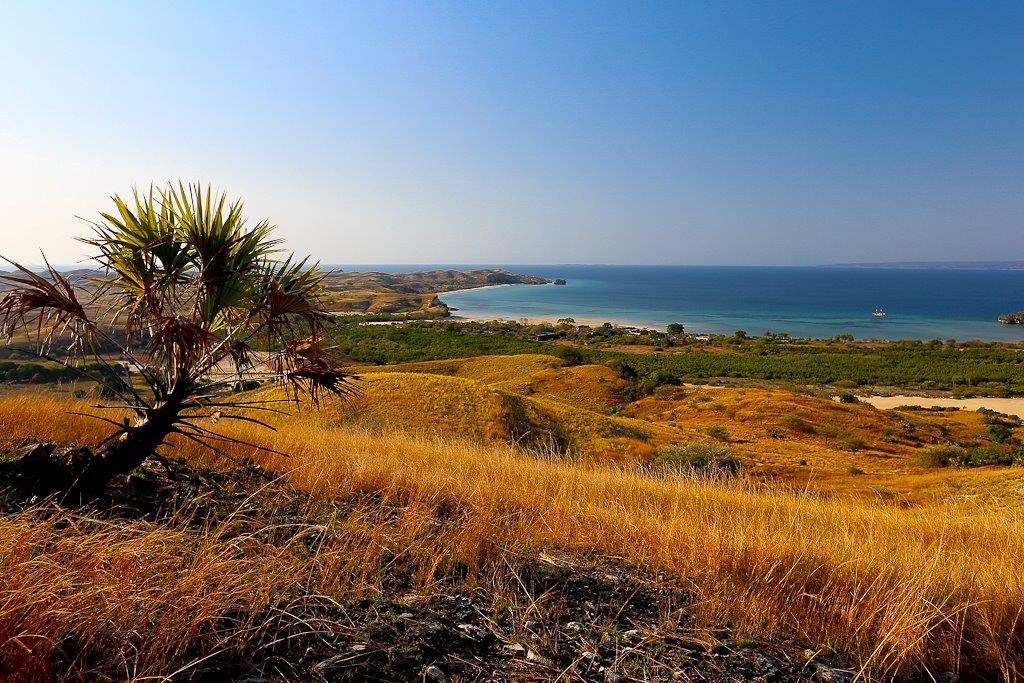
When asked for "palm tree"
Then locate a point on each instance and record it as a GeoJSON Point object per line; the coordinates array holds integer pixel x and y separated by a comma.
{"type": "Point", "coordinates": [190, 301]}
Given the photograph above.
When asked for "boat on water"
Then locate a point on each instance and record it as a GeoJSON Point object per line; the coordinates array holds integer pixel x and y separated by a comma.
{"type": "Point", "coordinates": [879, 313]}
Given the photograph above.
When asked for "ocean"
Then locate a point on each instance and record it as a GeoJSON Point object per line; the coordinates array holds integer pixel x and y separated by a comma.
{"type": "Point", "coordinates": [920, 303]}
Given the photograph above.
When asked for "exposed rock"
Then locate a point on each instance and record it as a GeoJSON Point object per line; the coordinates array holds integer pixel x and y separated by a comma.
{"type": "Point", "coordinates": [333, 666]}
{"type": "Point", "coordinates": [434, 673]}
{"type": "Point", "coordinates": [720, 650]}
{"type": "Point", "coordinates": [537, 658]}
{"type": "Point", "coordinates": [827, 674]}
{"type": "Point", "coordinates": [1012, 318]}
{"type": "Point", "coordinates": [472, 631]}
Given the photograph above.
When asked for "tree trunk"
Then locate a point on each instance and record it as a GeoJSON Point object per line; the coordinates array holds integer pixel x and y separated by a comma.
{"type": "Point", "coordinates": [41, 469]}
{"type": "Point", "coordinates": [132, 448]}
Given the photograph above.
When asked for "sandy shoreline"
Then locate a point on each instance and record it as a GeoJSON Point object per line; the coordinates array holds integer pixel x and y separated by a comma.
{"type": "Point", "coordinates": [536, 319]}
{"type": "Point", "coordinates": [549, 319]}
{"type": "Point", "coordinates": [474, 289]}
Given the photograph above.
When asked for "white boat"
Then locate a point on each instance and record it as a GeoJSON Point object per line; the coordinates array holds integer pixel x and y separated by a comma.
{"type": "Point", "coordinates": [879, 313]}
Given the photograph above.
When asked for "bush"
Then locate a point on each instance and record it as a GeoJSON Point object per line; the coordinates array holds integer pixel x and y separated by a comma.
{"type": "Point", "coordinates": [995, 417]}
{"type": "Point", "coordinates": [698, 456]}
{"type": "Point", "coordinates": [773, 433]}
{"type": "Point", "coordinates": [623, 369]}
{"type": "Point", "coordinates": [718, 432]}
{"type": "Point", "coordinates": [848, 398]}
{"type": "Point", "coordinates": [939, 456]}
{"type": "Point", "coordinates": [674, 328]}
{"type": "Point", "coordinates": [883, 492]}
{"type": "Point", "coordinates": [989, 455]}
{"type": "Point", "coordinates": [646, 385]}
{"type": "Point", "coordinates": [849, 442]}
{"type": "Point", "coordinates": [667, 392]}
{"type": "Point", "coordinates": [570, 356]}
{"type": "Point", "coordinates": [796, 423]}
{"type": "Point", "coordinates": [855, 471]}
{"type": "Point", "coordinates": [979, 456]}
{"type": "Point", "coordinates": [999, 432]}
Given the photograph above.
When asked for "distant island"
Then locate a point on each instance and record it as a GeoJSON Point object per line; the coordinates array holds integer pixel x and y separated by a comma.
{"type": "Point", "coordinates": [412, 293]}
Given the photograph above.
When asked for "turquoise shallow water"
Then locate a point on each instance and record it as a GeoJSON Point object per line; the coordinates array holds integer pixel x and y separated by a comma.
{"type": "Point", "coordinates": [809, 302]}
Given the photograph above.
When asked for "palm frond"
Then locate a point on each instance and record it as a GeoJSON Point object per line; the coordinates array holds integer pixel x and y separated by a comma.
{"type": "Point", "coordinates": [52, 301]}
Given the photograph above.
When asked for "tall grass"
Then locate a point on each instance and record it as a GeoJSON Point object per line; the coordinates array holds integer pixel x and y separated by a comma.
{"type": "Point", "coordinates": [936, 588]}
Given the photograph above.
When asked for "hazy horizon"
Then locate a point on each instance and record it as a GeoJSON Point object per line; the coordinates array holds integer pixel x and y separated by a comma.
{"type": "Point", "coordinates": [734, 133]}
{"type": "Point", "coordinates": [413, 267]}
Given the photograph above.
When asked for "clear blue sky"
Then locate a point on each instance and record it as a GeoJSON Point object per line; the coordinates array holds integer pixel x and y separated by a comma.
{"type": "Point", "coordinates": [520, 132]}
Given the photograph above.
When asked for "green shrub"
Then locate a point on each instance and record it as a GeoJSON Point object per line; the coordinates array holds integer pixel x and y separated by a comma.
{"type": "Point", "coordinates": [855, 471]}
{"type": "Point", "coordinates": [848, 398]}
{"type": "Point", "coordinates": [978, 456]}
{"type": "Point", "coordinates": [995, 417]}
{"type": "Point", "coordinates": [849, 442]}
{"type": "Point", "coordinates": [773, 433]}
{"type": "Point", "coordinates": [990, 455]}
{"type": "Point", "coordinates": [939, 456]}
{"type": "Point", "coordinates": [646, 385]}
{"type": "Point", "coordinates": [570, 356]}
{"type": "Point", "coordinates": [718, 432]}
{"type": "Point", "coordinates": [796, 423]}
{"type": "Point", "coordinates": [999, 432]}
{"type": "Point", "coordinates": [883, 492]}
{"type": "Point", "coordinates": [666, 392]}
{"type": "Point", "coordinates": [698, 456]}
{"type": "Point", "coordinates": [828, 431]}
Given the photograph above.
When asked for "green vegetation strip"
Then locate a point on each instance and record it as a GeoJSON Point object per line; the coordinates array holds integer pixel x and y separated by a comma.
{"type": "Point", "coordinates": [964, 369]}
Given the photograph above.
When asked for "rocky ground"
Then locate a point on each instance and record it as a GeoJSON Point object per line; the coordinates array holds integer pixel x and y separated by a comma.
{"type": "Point", "coordinates": [556, 616]}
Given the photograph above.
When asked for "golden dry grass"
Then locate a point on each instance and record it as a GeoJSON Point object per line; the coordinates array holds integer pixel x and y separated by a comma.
{"type": "Point", "coordinates": [454, 406]}
{"type": "Point", "coordinates": [70, 581]}
{"type": "Point", "coordinates": [578, 403]}
{"type": "Point", "coordinates": [935, 588]}
{"type": "Point", "coordinates": [488, 370]}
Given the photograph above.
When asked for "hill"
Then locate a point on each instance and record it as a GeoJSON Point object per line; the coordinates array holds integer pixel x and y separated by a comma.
{"type": "Point", "coordinates": [414, 292]}
{"type": "Point", "coordinates": [803, 441]}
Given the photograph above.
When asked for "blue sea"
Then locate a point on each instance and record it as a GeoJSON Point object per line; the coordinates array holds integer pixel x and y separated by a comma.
{"type": "Point", "coordinates": [920, 303]}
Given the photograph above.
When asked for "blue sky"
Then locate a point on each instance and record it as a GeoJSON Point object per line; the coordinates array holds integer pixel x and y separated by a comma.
{"type": "Point", "coordinates": [519, 132]}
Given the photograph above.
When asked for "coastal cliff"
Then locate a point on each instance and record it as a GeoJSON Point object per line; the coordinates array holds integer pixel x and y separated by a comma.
{"type": "Point", "coordinates": [1012, 318]}
{"type": "Point", "coordinates": [414, 293]}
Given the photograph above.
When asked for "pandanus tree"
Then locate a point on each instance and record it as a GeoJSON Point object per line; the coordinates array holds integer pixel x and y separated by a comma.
{"type": "Point", "coordinates": [189, 301]}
